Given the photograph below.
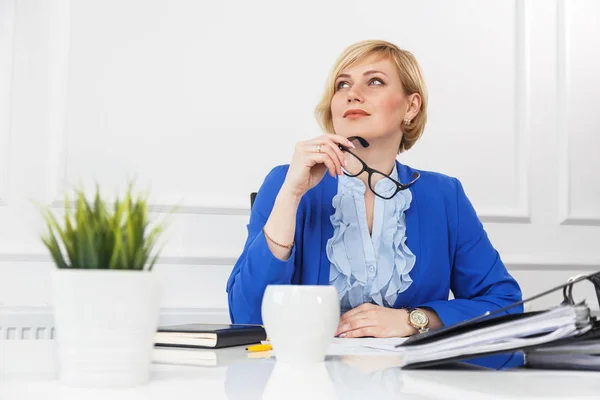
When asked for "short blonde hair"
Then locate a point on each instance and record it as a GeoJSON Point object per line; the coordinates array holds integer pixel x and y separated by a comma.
{"type": "Point", "coordinates": [410, 76]}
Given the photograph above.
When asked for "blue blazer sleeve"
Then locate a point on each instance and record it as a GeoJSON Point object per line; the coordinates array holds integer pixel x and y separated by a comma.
{"type": "Point", "coordinates": [479, 279]}
{"type": "Point", "coordinates": [257, 267]}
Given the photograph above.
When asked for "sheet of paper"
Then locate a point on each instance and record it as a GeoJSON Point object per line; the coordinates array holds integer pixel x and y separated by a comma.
{"type": "Point", "coordinates": [358, 346]}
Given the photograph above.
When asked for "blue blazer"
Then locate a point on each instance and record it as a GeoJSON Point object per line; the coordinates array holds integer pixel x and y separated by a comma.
{"type": "Point", "coordinates": [452, 249]}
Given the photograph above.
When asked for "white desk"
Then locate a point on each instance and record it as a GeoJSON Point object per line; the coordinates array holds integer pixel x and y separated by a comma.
{"type": "Point", "coordinates": [28, 372]}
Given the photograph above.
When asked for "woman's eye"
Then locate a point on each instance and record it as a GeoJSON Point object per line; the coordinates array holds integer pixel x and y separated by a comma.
{"type": "Point", "coordinates": [376, 82]}
{"type": "Point", "coordinates": [341, 84]}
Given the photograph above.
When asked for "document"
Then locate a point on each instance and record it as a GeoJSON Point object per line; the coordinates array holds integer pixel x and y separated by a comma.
{"type": "Point", "coordinates": [364, 346]}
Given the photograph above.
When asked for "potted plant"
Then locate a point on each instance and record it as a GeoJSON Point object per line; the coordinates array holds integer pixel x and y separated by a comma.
{"type": "Point", "coordinates": [105, 297]}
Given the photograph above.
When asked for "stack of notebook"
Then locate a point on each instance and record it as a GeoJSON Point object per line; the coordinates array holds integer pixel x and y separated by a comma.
{"type": "Point", "coordinates": [508, 333]}
{"type": "Point", "coordinates": [580, 352]}
{"type": "Point", "coordinates": [203, 344]}
{"type": "Point", "coordinates": [213, 336]}
{"type": "Point", "coordinates": [567, 336]}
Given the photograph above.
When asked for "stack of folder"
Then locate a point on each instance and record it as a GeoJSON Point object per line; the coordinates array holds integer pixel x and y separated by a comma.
{"type": "Point", "coordinates": [564, 337]}
{"type": "Point", "coordinates": [581, 353]}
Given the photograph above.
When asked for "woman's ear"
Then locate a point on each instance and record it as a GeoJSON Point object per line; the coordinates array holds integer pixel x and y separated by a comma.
{"type": "Point", "coordinates": [414, 106]}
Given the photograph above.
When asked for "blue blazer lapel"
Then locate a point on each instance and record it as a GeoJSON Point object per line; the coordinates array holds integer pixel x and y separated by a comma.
{"type": "Point", "coordinates": [413, 235]}
{"type": "Point", "coordinates": [329, 190]}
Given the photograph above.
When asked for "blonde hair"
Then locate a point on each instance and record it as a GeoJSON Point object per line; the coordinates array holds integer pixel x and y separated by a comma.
{"type": "Point", "coordinates": [410, 76]}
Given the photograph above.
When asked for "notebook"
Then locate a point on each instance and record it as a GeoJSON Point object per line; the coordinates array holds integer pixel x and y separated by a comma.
{"type": "Point", "coordinates": [581, 352]}
{"type": "Point", "coordinates": [209, 335]}
{"type": "Point", "coordinates": [195, 356]}
{"type": "Point", "coordinates": [563, 361]}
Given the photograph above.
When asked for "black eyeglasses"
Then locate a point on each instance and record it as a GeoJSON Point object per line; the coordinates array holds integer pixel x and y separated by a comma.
{"type": "Point", "coordinates": [355, 166]}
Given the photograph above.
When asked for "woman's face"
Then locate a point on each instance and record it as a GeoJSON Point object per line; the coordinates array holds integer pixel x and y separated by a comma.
{"type": "Point", "coordinates": [369, 99]}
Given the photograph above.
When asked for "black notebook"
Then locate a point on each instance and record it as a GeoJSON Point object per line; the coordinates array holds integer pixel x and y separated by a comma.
{"type": "Point", "coordinates": [212, 336]}
{"type": "Point", "coordinates": [581, 352]}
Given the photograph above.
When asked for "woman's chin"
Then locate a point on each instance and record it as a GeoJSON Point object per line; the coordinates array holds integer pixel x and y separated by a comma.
{"type": "Point", "coordinates": [358, 132]}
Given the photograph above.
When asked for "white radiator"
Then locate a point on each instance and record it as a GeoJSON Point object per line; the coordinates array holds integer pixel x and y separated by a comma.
{"type": "Point", "coordinates": [26, 332]}
{"type": "Point", "coordinates": [26, 323]}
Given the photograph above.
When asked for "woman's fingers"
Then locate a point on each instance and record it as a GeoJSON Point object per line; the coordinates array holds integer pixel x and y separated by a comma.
{"type": "Point", "coordinates": [370, 331]}
{"type": "Point", "coordinates": [339, 154]}
{"type": "Point", "coordinates": [358, 322]}
{"type": "Point", "coordinates": [329, 144]}
{"type": "Point", "coordinates": [322, 158]}
{"type": "Point", "coordinates": [327, 148]}
{"type": "Point", "coordinates": [340, 140]}
{"type": "Point", "coordinates": [349, 315]}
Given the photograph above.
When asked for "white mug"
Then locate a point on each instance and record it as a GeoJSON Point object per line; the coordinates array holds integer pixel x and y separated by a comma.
{"type": "Point", "coordinates": [300, 321]}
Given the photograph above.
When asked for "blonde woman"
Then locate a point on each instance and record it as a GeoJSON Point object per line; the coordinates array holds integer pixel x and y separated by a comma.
{"type": "Point", "coordinates": [393, 240]}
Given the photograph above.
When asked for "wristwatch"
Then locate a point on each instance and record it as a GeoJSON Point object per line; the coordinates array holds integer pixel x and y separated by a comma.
{"type": "Point", "coordinates": [418, 319]}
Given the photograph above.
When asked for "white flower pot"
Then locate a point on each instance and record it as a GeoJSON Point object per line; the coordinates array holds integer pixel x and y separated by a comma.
{"type": "Point", "coordinates": [105, 324]}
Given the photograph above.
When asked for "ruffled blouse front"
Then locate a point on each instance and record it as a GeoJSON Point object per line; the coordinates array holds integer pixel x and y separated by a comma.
{"type": "Point", "coordinates": [369, 268]}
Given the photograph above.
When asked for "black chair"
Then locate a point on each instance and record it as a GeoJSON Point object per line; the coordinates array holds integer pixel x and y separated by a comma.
{"type": "Point", "coordinates": [252, 198]}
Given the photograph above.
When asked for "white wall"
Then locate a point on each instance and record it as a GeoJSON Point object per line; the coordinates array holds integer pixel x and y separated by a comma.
{"type": "Point", "coordinates": [199, 100]}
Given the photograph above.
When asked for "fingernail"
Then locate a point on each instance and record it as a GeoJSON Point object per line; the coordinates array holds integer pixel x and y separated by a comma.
{"type": "Point", "coordinates": [343, 335]}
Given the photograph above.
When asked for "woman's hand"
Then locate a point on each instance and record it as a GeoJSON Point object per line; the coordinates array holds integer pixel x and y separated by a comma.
{"type": "Point", "coordinates": [308, 165]}
{"type": "Point", "coordinates": [377, 321]}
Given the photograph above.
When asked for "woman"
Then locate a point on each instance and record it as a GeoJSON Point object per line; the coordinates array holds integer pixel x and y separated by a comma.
{"type": "Point", "coordinates": [393, 248]}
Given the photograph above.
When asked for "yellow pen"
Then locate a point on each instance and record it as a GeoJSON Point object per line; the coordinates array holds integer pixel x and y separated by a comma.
{"type": "Point", "coordinates": [259, 347]}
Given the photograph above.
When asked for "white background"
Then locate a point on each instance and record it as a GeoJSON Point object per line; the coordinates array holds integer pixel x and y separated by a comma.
{"type": "Point", "coordinates": [198, 100]}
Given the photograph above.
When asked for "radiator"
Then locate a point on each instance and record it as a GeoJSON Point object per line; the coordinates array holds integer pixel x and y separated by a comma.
{"type": "Point", "coordinates": [26, 333]}
{"type": "Point", "coordinates": [26, 323]}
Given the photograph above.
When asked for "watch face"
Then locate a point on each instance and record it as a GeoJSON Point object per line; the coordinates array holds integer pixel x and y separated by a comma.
{"type": "Point", "coordinates": [419, 318]}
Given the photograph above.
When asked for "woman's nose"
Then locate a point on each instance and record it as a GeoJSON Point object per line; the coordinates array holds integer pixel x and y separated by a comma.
{"type": "Point", "coordinates": [354, 96]}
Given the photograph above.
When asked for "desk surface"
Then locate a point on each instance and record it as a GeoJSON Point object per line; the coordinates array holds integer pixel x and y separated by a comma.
{"type": "Point", "coordinates": [28, 372]}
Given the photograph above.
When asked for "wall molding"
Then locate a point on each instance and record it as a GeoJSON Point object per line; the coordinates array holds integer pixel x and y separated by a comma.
{"type": "Point", "coordinates": [59, 159]}
{"type": "Point", "coordinates": [163, 260]}
{"type": "Point", "coordinates": [486, 214]}
{"type": "Point", "coordinates": [567, 217]}
{"type": "Point", "coordinates": [200, 209]}
{"type": "Point", "coordinates": [164, 311]}
{"type": "Point", "coordinates": [59, 83]}
{"type": "Point", "coordinates": [541, 266]}
{"type": "Point", "coordinates": [520, 214]}
{"type": "Point", "coordinates": [7, 39]}
{"type": "Point", "coordinates": [576, 220]}
{"type": "Point", "coordinates": [562, 91]}
{"type": "Point", "coordinates": [518, 263]}
{"type": "Point", "coordinates": [24, 322]}
{"type": "Point", "coordinates": [505, 215]}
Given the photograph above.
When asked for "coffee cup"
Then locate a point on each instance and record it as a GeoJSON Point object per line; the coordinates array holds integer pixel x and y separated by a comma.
{"type": "Point", "coordinates": [300, 321]}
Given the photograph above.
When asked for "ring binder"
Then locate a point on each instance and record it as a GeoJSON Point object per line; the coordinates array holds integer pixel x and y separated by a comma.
{"type": "Point", "coordinates": [525, 332]}
{"type": "Point", "coordinates": [567, 295]}
{"type": "Point", "coordinates": [568, 288]}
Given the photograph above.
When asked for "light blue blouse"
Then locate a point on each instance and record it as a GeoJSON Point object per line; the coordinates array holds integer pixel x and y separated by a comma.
{"type": "Point", "coordinates": [369, 268]}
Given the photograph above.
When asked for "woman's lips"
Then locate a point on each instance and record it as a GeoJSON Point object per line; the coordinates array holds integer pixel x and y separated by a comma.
{"type": "Point", "coordinates": [356, 116]}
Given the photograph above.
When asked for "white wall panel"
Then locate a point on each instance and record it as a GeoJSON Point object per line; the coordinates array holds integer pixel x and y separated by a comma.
{"type": "Point", "coordinates": [7, 13]}
{"type": "Point", "coordinates": [579, 77]}
{"type": "Point", "coordinates": [198, 101]}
